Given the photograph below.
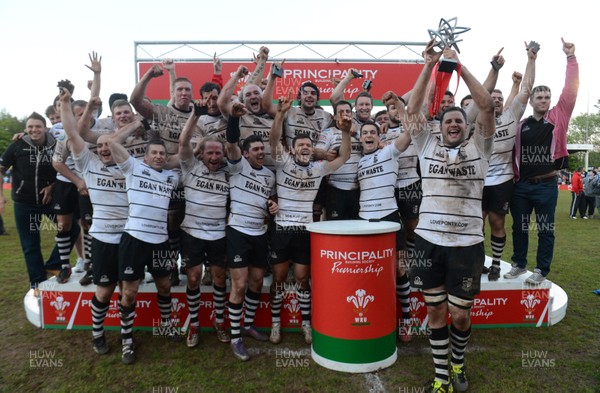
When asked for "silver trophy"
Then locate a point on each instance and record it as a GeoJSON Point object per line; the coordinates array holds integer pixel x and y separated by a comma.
{"type": "Point", "coordinates": [446, 36]}
{"type": "Point", "coordinates": [447, 33]}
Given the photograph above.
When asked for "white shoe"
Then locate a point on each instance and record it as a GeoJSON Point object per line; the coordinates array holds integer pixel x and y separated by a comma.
{"type": "Point", "coordinates": [515, 272]}
{"type": "Point", "coordinates": [275, 336]}
{"type": "Point", "coordinates": [307, 330]}
{"type": "Point", "coordinates": [536, 277]}
{"type": "Point", "coordinates": [79, 266]}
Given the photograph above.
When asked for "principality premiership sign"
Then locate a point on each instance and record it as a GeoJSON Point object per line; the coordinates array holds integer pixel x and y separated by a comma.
{"type": "Point", "coordinates": [398, 77]}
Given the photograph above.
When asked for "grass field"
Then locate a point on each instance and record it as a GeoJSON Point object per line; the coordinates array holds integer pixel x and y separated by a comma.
{"type": "Point", "coordinates": [567, 355]}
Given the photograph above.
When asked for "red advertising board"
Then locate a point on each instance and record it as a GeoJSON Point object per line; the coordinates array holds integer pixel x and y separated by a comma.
{"type": "Point", "coordinates": [491, 309]}
{"type": "Point", "coordinates": [353, 285]}
{"type": "Point", "coordinates": [496, 308]}
{"type": "Point", "coordinates": [72, 310]}
{"type": "Point", "coordinates": [398, 77]}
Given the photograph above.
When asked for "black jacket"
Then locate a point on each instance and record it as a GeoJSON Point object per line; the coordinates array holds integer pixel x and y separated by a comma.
{"type": "Point", "coordinates": [31, 168]}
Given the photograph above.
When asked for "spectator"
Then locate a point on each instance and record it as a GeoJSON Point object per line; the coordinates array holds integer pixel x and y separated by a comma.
{"type": "Point", "coordinates": [540, 151]}
{"type": "Point", "coordinates": [577, 201]}
{"type": "Point", "coordinates": [31, 160]}
{"type": "Point", "coordinates": [589, 199]}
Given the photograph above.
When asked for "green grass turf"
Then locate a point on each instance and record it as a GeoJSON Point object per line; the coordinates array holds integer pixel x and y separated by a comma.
{"type": "Point", "coordinates": [495, 358]}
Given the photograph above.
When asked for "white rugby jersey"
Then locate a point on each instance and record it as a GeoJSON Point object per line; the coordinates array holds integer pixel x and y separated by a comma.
{"type": "Point", "coordinates": [105, 125]}
{"type": "Point", "coordinates": [167, 124]}
{"type": "Point", "coordinates": [108, 193]}
{"type": "Point", "coordinates": [377, 175]}
{"type": "Point", "coordinates": [297, 187]}
{"type": "Point", "coordinates": [501, 162]}
{"type": "Point", "coordinates": [251, 124]}
{"type": "Point", "coordinates": [298, 122]}
{"type": "Point", "coordinates": [213, 125]}
{"type": "Point", "coordinates": [136, 146]}
{"type": "Point", "coordinates": [345, 177]}
{"type": "Point", "coordinates": [62, 152]}
{"type": "Point", "coordinates": [452, 183]}
{"type": "Point", "coordinates": [206, 196]}
{"type": "Point", "coordinates": [249, 191]}
{"type": "Point", "coordinates": [149, 193]}
{"type": "Point", "coordinates": [407, 161]}
{"type": "Point", "coordinates": [433, 127]}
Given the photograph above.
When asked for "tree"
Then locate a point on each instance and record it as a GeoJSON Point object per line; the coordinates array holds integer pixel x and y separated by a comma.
{"type": "Point", "coordinates": [9, 125]}
{"type": "Point", "coordinates": [585, 128]}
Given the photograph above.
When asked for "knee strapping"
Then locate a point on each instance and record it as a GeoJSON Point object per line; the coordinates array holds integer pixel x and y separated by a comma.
{"type": "Point", "coordinates": [434, 298]}
{"type": "Point", "coordinates": [460, 302]}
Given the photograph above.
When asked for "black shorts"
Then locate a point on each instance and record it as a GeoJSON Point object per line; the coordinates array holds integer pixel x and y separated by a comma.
{"type": "Point", "coordinates": [342, 204]}
{"type": "Point", "coordinates": [322, 193]}
{"type": "Point", "coordinates": [135, 255]}
{"type": "Point", "coordinates": [177, 200]}
{"type": "Point", "coordinates": [458, 269]}
{"type": "Point", "coordinates": [199, 251]}
{"type": "Point", "coordinates": [409, 200]}
{"type": "Point", "coordinates": [244, 250]}
{"type": "Point", "coordinates": [105, 262]}
{"type": "Point", "coordinates": [65, 198]}
{"type": "Point", "coordinates": [290, 243]}
{"type": "Point", "coordinates": [86, 210]}
{"type": "Point", "coordinates": [400, 237]}
{"type": "Point", "coordinates": [497, 198]}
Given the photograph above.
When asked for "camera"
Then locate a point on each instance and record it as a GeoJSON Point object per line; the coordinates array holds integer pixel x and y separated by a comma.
{"type": "Point", "coordinates": [66, 84]}
{"type": "Point", "coordinates": [356, 74]}
{"type": "Point", "coordinates": [367, 84]}
{"type": "Point", "coordinates": [277, 71]}
{"type": "Point", "coordinates": [534, 46]}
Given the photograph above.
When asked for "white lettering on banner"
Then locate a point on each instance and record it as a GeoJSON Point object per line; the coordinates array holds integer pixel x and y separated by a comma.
{"type": "Point", "coordinates": [314, 74]}
{"type": "Point", "coordinates": [497, 301]}
{"type": "Point", "coordinates": [357, 255]}
{"type": "Point", "coordinates": [114, 304]}
{"type": "Point", "coordinates": [336, 268]}
{"type": "Point", "coordinates": [142, 303]}
{"type": "Point", "coordinates": [481, 313]}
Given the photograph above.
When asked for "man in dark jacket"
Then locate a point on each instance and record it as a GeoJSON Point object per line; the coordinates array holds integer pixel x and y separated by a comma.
{"type": "Point", "coordinates": [33, 177]}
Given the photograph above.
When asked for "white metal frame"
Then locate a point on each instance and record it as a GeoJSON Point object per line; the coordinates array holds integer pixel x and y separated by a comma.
{"type": "Point", "coordinates": [304, 51]}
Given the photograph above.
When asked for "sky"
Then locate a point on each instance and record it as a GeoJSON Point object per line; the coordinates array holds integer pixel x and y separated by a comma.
{"type": "Point", "coordinates": [46, 41]}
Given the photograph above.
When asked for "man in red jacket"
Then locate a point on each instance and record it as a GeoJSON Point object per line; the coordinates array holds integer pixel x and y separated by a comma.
{"type": "Point", "coordinates": [577, 195]}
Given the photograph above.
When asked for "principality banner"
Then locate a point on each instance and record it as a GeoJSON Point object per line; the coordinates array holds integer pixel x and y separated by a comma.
{"type": "Point", "coordinates": [398, 77]}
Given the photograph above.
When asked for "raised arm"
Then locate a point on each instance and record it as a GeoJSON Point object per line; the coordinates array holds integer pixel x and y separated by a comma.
{"type": "Point", "coordinates": [83, 125]}
{"type": "Point", "coordinates": [232, 146]}
{"type": "Point", "coordinates": [217, 67]}
{"type": "Point", "coordinates": [142, 106]}
{"type": "Point", "coordinates": [115, 142]}
{"type": "Point", "coordinates": [528, 79]}
{"type": "Point", "coordinates": [261, 62]}
{"type": "Point", "coordinates": [69, 122]}
{"type": "Point", "coordinates": [96, 67]}
{"type": "Point", "coordinates": [485, 124]}
{"type": "Point", "coordinates": [517, 77]}
{"type": "Point", "coordinates": [186, 151]}
{"type": "Point", "coordinates": [345, 124]}
{"type": "Point", "coordinates": [497, 62]}
{"type": "Point", "coordinates": [489, 83]}
{"type": "Point", "coordinates": [224, 100]}
{"type": "Point", "coordinates": [390, 99]}
{"type": "Point", "coordinates": [169, 66]}
{"type": "Point", "coordinates": [277, 127]}
{"type": "Point", "coordinates": [414, 120]}
{"type": "Point", "coordinates": [267, 101]}
{"type": "Point", "coordinates": [338, 93]}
